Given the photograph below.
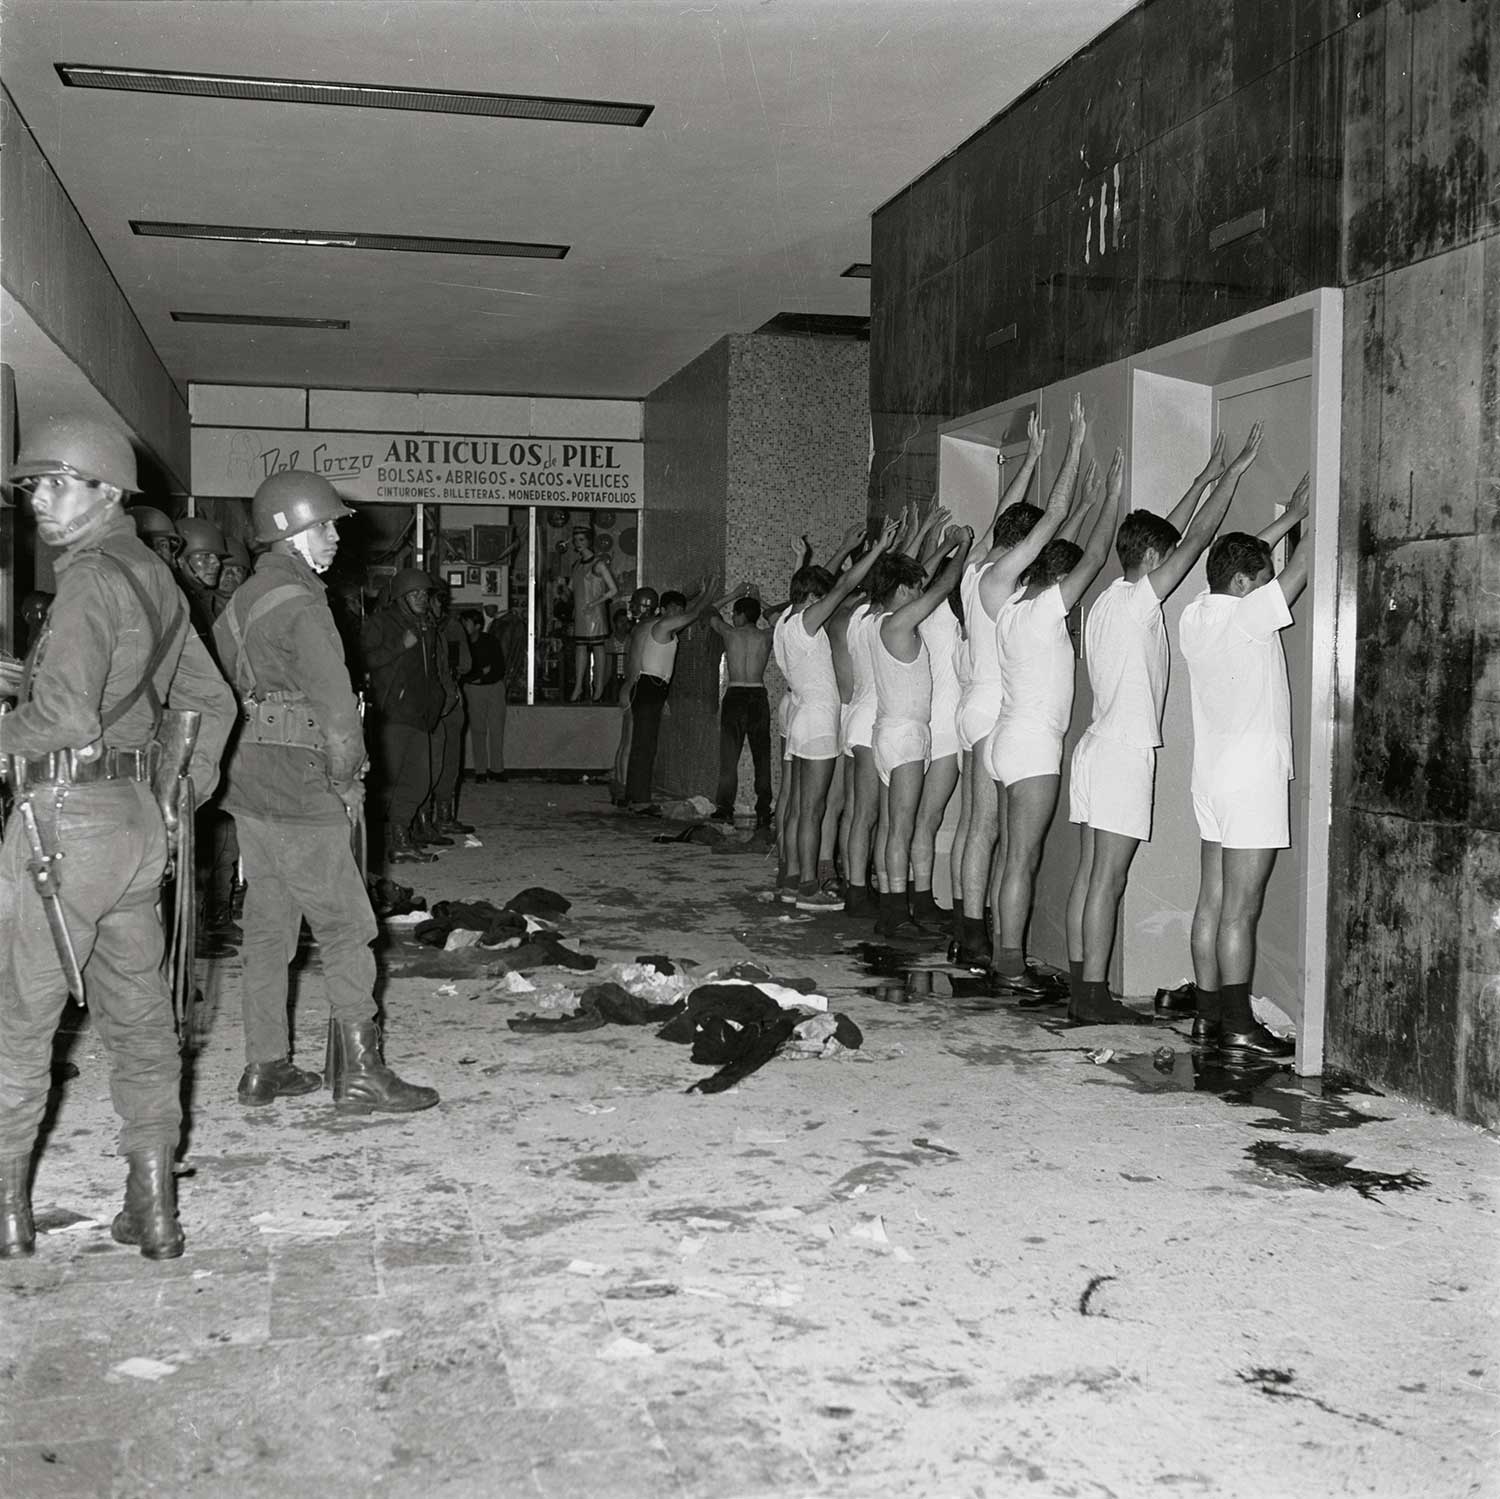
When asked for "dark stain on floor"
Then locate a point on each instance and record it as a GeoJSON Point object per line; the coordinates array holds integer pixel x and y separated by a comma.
{"type": "Point", "coordinates": [1322, 1169]}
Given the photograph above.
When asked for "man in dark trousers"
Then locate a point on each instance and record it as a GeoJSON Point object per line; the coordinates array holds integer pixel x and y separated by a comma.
{"type": "Point", "coordinates": [79, 753]}
{"type": "Point", "coordinates": [441, 815]}
{"type": "Point", "coordinates": [399, 645]}
{"type": "Point", "coordinates": [295, 790]}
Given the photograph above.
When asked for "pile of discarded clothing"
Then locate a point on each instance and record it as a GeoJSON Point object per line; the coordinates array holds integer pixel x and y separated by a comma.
{"type": "Point", "coordinates": [736, 1020]}
{"type": "Point", "coordinates": [522, 932]}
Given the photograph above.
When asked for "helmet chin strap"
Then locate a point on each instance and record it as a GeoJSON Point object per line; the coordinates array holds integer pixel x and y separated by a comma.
{"type": "Point", "coordinates": [304, 550]}
{"type": "Point", "coordinates": [90, 518]}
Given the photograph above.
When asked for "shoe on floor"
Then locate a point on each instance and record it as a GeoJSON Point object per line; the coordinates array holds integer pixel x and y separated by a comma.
{"type": "Point", "coordinates": [1109, 1011]}
{"type": "Point", "coordinates": [819, 900]}
{"type": "Point", "coordinates": [1183, 1000]}
{"type": "Point", "coordinates": [1256, 1042]}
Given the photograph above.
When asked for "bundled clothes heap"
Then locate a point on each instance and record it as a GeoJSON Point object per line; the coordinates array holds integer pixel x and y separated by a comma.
{"type": "Point", "coordinates": [736, 1020]}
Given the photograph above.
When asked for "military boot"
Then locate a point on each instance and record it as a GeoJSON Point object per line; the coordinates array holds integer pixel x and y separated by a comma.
{"type": "Point", "coordinates": [264, 1082]}
{"type": "Point", "coordinates": [447, 820]}
{"type": "Point", "coordinates": [425, 830]}
{"type": "Point", "coordinates": [399, 848]}
{"type": "Point", "coordinates": [149, 1217]}
{"type": "Point", "coordinates": [360, 1080]}
{"type": "Point", "coordinates": [17, 1233]}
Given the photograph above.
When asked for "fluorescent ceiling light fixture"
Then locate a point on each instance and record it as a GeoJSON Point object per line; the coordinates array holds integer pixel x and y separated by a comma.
{"type": "Point", "coordinates": [817, 325]}
{"type": "Point", "coordinates": [254, 320]}
{"type": "Point", "coordinates": [342, 239]}
{"type": "Point", "coordinates": [356, 95]}
{"type": "Point", "coordinates": [859, 271]}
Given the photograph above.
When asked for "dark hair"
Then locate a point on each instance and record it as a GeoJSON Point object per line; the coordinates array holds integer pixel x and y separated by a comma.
{"type": "Point", "coordinates": [1234, 553]}
{"type": "Point", "coordinates": [1142, 532]}
{"type": "Point", "coordinates": [891, 573]}
{"type": "Point", "coordinates": [1015, 524]}
{"type": "Point", "coordinates": [477, 615]}
{"type": "Point", "coordinates": [747, 609]}
{"type": "Point", "coordinates": [671, 599]}
{"type": "Point", "coordinates": [809, 583]}
{"type": "Point", "coordinates": [1053, 563]}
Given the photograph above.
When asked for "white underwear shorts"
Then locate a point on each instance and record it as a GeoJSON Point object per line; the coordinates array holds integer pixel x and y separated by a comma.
{"type": "Point", "coordinates": [1110, 787]}
{"type": "Point", "coordinates": [899, 742]}
{"type": "Point", "coordinates": [812, 731]}
{"type": "Point", "coordinates": [978, 713]}
{"type": "Point", "coordinates": [1017, 751]}
{"type": "Point", "coordinates": [1250, 814]}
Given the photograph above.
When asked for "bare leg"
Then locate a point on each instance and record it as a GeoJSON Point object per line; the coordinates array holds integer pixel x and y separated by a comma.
{"type": "Point", "coordinates": [845, 776]}
{"type": "Point", "coordinates": [1029, 806]}
{"type": "Point", "coordinates": [580, 672]}
{"type": "Point", "coordinates": [902, 798]}
{"type": "Point", "coordinates": [882, 834]}
{"type": "Point", "coordinates": [600, 676]}
{"type": "Point", "coordinates": [862, 820]}
{"type": "Point", "coordinates": [1205, 937]}
{"type": "Point", "coordinates": [1078, 892]}
{"type": "Point", "coordinates": [622, 755]}
{"type": "Point", "coordinates": [937, 791]}
{"type": "Point", "coordinates": [833, 810]}
{"type": "Point", "coordinates": [786, 823]}
{"type": "Point", "coordinates": [1245, 873]}
{"type": "Point", "coordinates": [979, 846]}
{"type": "Point", "coordinates": [961, 832]}
{"type": "Point", "coordinates": [813, 777]}
{"type": "Point", "coordinates": [1112, 853]}
{"type": "Point", "coordinates": [1002, 850]}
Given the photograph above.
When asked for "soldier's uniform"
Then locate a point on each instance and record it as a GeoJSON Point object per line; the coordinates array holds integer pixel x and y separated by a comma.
{"type": "Point", "coordinates": [293, 786]}
{"type": "Point", "coordinates": [407, 698]}
{"type": "Point", "coordinates": [116, 648]}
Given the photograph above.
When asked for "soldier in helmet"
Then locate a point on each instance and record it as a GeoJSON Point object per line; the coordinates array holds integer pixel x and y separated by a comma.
{"type": "Point", "coordinates": [400, 648]}
{"type": "Point", "coordinates": [155, 528]}
{"type": "Point", "coordinates": [295, 789]}
{"type": "Point", "coordinates": [116, 648]}
{"type": "Point", "coordinates": [235, 569]}
{"type": "Point", "coordinates": [198, 567]}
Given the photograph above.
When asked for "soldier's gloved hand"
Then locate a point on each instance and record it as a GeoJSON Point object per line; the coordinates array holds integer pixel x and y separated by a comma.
{"type": "Point", "coordinates": [353, 798]}
{"type": "Point", "coordinates": [167, 801]}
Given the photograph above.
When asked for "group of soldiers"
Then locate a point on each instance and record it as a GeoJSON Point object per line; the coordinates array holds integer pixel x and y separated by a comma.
{"type": "Point", "coordinates": [122, 720]}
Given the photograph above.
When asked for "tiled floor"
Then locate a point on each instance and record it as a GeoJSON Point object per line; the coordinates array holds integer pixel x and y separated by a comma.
{"type": "Point", "coordinates": [867, 1276]}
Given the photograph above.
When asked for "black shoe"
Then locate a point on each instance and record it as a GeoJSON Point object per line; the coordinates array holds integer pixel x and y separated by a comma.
{"type": "Point", "coordinates": [1106, 1012]}
{"type": "Point", "coordinates": [1033, 985]}
{"type": "Point", "coordinates": [1183, 1000]}
{"type": "Point", "coordinates": [1205, 1031]}
{"type": "Point", "coordinates": [358, 1075]}
{"type": "Point", "coordinates": [264, 1082]}
{"type": "Point", "coordinates": [1256, 1042]}
{"type": "Point", "coordinates": [720, 815]}
{"type": "Point", "coordinates": [17, 1230]}
{"type": "Point", "coordinates": [976, 958]}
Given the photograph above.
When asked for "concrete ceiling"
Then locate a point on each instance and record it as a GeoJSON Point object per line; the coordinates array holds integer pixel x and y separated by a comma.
{"type": "Point", "coordinates": [779, 126]}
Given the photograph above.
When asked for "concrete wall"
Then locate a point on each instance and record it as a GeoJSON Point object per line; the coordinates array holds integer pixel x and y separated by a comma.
{"type": "Point", "coordinates": [757, 441]}
{"type": "Point", "coordinates": [52, 267]}
{"type": "Point", "coordinates": [1354, 146]}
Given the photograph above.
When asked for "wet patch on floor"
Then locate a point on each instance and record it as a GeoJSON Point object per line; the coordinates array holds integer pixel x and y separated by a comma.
{"type": "Point", "coordinates": [611, 1170]}
{"type": "Point", "coordinates": [1322, 1169]}
{"type": "Point", "coordinates": [998, 1055]}
{"type": "Point", "coordinates": [1300, 1106]}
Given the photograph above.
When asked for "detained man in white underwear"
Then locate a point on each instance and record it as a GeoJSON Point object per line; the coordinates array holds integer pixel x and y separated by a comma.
{"type": "Point", "coordinates": [1242, 765]}
{"type": "Point", "coordinates": [1114, 765]}
{"type": "Point", "coordinates": [902, 736]}
{"type": "Point", "coordinates": [812, 728]}
{"type": "Point", "coordinates": [1024, 752]}
{"type": "Point", "coordinates": [979, 702]}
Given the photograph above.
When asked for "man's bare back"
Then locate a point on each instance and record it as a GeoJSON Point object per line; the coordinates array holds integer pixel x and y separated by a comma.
{"type": "Point", "coordinates": [747, 648]}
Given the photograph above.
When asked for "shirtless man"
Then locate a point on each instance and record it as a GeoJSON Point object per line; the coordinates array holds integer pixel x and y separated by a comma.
{"type": "Point", "coordinates": [745, 711]}
{"type": "Point", "coordinates": [644, 605]}
{"type": "Point", "coordinates": [593, 586]}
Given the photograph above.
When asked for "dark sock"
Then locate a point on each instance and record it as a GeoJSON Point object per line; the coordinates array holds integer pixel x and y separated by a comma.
{"type": "Point", "coordinates": [1235, 1014]}
{"type": "Point", "coordinates": [1075, 971]}
{"type": "Point", "coordinates": [959, 922]}
{"type": "Point", "coordinates": [923, 907]}
{"type": "Point", "coordinates": [1010, 961]}
{"type": "Point", "coordinates": [892, 908]}
{"type": "Point", "coordinates": [808, 887]}
{"type": "Point", "coordinates": [1208, 1005]}
{"type": "Point", "coordinates": [974, 936]}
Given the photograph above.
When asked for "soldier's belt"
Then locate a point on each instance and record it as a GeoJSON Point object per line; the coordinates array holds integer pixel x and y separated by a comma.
{"type": "Point", "coordinates": [65, 768]}
{"type": "Point", "coordinates": [277, 721]}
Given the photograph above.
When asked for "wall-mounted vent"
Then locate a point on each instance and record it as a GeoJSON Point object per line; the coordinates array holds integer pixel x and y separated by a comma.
{"type": "Point", "coordinates": [341, 239]}
{"type": "Point", "coordinates": [1001, 337]}
{"type": "Point", "coordinates": [1241, 228]}
{"type": "Point", "coordinates": [859, 271]}
{"type": "Point", "coordinates": [817, 325]}
{"type": "Point", "coordinates": [356, 95]}
{"type": "Point", "coordinates": [253, 320]}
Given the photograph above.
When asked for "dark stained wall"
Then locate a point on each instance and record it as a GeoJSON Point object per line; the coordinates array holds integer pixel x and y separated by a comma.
{"type": "Point", "coordinates": [1368, 134]}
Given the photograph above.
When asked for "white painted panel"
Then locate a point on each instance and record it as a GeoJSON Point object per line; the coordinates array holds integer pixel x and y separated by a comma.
{"type": "Point", "coordinates": [554, 416]}
{"type": "Point", "coordinates": [365, 410]}
{"type": "Point", "coordinates": [247, 405]}
{"type": "Point", "coordinates": [476, 414]}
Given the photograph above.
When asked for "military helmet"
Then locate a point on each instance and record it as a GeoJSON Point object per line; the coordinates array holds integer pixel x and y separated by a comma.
{"type": "Point", "coordinates": [78, 448]}
{"type": "Point", "coordinates": [643, 599]}
{"type": "Point", "coordinates": [290, 502]}
{"type": "Point", "coordinates": [151, 522]}
{"type": "Point", "coordinates": [236, 552]}
{"type": "Point", "coordinates": [410, 580]}
{"type": "Point", "coordinates": [199, 535]}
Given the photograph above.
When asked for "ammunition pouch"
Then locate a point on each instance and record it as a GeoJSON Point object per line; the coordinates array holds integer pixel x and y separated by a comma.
{"type": "Point", "coordinates": [280, 718]}
{"type": "Point", "coordinates": [70, 768]}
